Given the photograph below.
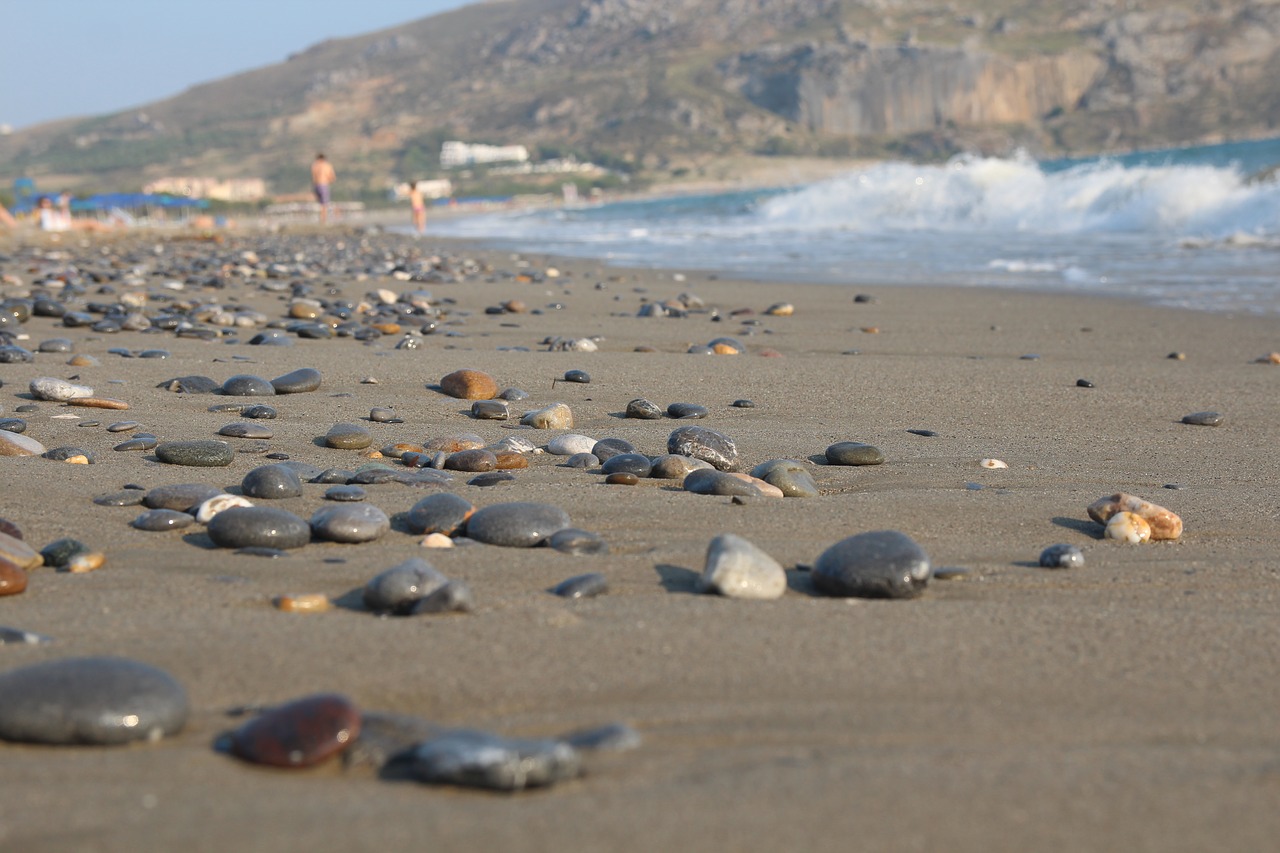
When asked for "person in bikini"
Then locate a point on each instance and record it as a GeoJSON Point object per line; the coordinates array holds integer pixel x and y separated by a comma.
{"type": "Point", "coordinates": [322, 178]}
{"type": "Point", "coordinates": [419, 208]}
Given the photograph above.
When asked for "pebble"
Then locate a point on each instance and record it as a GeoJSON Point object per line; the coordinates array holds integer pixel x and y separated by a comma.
{"type": "Point", "coordinates": [927, 433]}
{"type": "Point", "coordinates": [454, 597]}
{"type": "Point", "coordinates": [582, 586]}
{"type": "Point", "coordinates": [516, 525]}
{"type": "Point", "coordinates": [635, 464]}
{"type": "Point", "coordinates": [570, 444]}
{"type": "Point", "coordinates": [673, 466]}
{"type": "Point", "coordinates": [490, 410]}
{"type": "Point", "coordinates": [993, 463]}
{"type": "Point", "coordinates": [472, 461]}
{"type": "Point", "coordinates": [510, 461]}
{"type": "Point", "coordinates": [743, 404]}
{"type": "Point", "coordinates": [74, 455]}
{"type": "Point", "coordinates": [345, 493]}
{"type": "Point", "coordinates": [272, 482]}
{"type": "Point", "coordinates": [196, 454]}
{"type": "Point", "coordinates": [90, 700]}
{"type": "Point", "coordinates": [192, 385]}
{"type": "Point", "coordinates": [205, 512]}
{"type": "Point", "coordinates": [622, 478]}
{"type": "Point", "coordinates": [125, 497]}
{"type": "Point", "coordinates": [246, 385]}
{"type": "Point", "coordinates": [1164, 523]}
{"type": "Point", "coordinates": [123, 426]}
{"type": "Point", "coordinates": [154, 520]}
{"type": "Point", "coordinates": [306, 602]}
{"type": "Point", "coordinates": [582, 460]}
{"type": "Point", "coordinates": [791, 476]}
{"type": "Point", "coordinates": [260, 413]}
{"type": "Point", "coordinates": [1128, 527]}
{"type": "Point", "coordinates": [1204, 419]}
{"type": "Point", "coordinates": [1062, 556]}
{"type": "Point", "coordinates": [258, 527]}
{"type": "Point", "coordinates": [18, 637]}
{"type": "Point", "coordinates": [579, 376]}
{"type": "Point", "coordinates": [13, 580]}
{"type": "Point", "coordinates": [400, 587]}
{"type": "Point", "coordinates": [301, 733]}
{"type": "Point", "coordinates": [482, 760]}
{"type": "Point", "coordinates": [854, 453]}
{"type": "Point", "coordinates": [16, 444]}
{"type": "Point", "coordinates": [436, 540]}
{"type": "Point", "coordinates": [491, 478]}
{"type": "Point", "coordinates": [243, 430]}
{"type": "Point", "coordinates": [298, 381]}
{"type": "Point", "coordinates": [950, 573]}
{"type": "Point", "coordinates": [554, 416]}
{"type": "Point", "coordinates": [98, 403]}
{"type": "Point", "coordinates": [606, 448]}
{"type": "Point", "coordinates": [349, 522]}
{"type": "Point", "coordinates": [706, 444]}
{"type": "Point", "coordinates": [879, 564]}
{"type": "Point", "coordinates": [469, 385]}
{"type": "Point", "coordinates": [57, 390]}
{"type": "Point", "coordinates": [687, 411]}
{"type": "Point", "coordinates": [736, 568]}
{"type": "Point", "coordinates": [709, 481]}
{"type": "Point", "coordinates": [141, 441]}
{"type": "Point", "coordinates": [1083, 383]}
{"type": "Point", "coordinates": [444, 512]}
{"type": "Point", "coordinates": [18, 552]}
{"type": "Point", "coordinates": [348, 437]}
{"type": "Point", "coordinates": [513, 395]}
{"type": "Point", "coordinates": [780, 309]}
{"type": "Point", "coordinates": [383, 415]}
{"type": "Point", "coordinates": [643, 409]}
{"type": "Point", "coordinates": [13, 425]}
{"type": "Point", "coordinates": [571, 540]}
{"type": "Point", "coordinates": [180, 496]}
{"type": "Point", "coordinates": [455, 443]}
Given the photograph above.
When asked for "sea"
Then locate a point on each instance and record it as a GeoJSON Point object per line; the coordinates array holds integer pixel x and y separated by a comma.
{"type": "Point", "coordinates": [1195, 227]}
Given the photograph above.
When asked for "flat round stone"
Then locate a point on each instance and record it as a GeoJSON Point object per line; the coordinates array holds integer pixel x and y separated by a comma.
{"type": "Point", "coordinates": [243, 430]}
{"type": "Point", "coordinates": [580, 376]}
{"type": "Point", "coordinates": [469, 385]}
{"type": "Point", "coordinates": [444, 512]}
{"type": "Point", "coordinates": [400, 587]}
{"type": "Point", "coordinates": [879, 564]}
{"type": "Point", "coordinates": [140, 441]}
{"type": "Point", "coordinates": [91, 700]}
{"type": "Point", "coordinates": [570, 444]}
{"type": "Point", "coordinates": [258, 526]}
{"type": "Point", "coordinates": [297, 381]}
{"type": "Point", "coordinates": [345, 494]}
{"type": "Point", "coordinates": [635, 464]}
{"type": "Point", "coordinates": [473, 461]}
{"type": "Point", "coordinates": [516, 525]}
{"type": "Point", "coordinates": [706, 444]}
{"type": "Point", "coordinates": [854, 453]}
{"type": "Point", "coordinates": [582, 586]}
{"type": "Point", "coordinates": [196, 454]}
{"type": "Point", "coordinates": [607, 448]}
{"type": "Point", "coordinates": [688, 411]}
{"type": "Point", "coordinates": [673, 466]}
{"type": "Point", "coordinates": [272, 482]}
{"type": "Point", "coordinates": [483, 760]}
{"type": "Point", "coordinates": [245, 385]}
{"type": "Point", "coordinates": [492, 478]}
{"type": "Point", "coordinates": [180, 496]}
{"type": "Point", "coordinates": [571, 540]}
{"type": "Point", "coordinates": [789, 475]}
{"type": "Point", "coordinates": [622, 478]}
{"type": "Point", "coordinates": [349, 522]}
{"type": "Point", "coordinates": [709, 481]}
{"type": "Point", "coordinates": [490, 410]}
{"type": "Point", "coordinates": [190, 385]}
{"type": "Point", "coordinates": [154, 520]}
{"type": "Point", "coordinates": [582, 460]}
{"type": "Point", "coordinates": [124, 497]}
{"type": "Point", "coordinates": [259, 413]}
{"type": "Point", "coordinates": [348, 437]}
{"type": "Point", "coordinates": [383, 415]}
{"type": "Point", "coordinates": [301, 733]}
{"type": "Point", "coordinates": [1204, 419]}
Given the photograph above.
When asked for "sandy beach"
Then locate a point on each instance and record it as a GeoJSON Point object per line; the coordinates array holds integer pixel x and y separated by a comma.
{"type": "Point", "coordinates": [1127, 705]}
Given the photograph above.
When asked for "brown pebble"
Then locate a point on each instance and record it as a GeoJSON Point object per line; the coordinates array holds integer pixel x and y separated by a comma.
{"type": "Point", "coordinates": [306, 602]}
{"type": "Point", "coordinates": [468, 384]}
{"type": "Point", "coordinates": [98, 403]}
{"type": "Point", "coordinates": [388, 328]}
{"type": "Point", "coordinates": [475, 461]}
{"type": "Point", "coordinates": [299, 734]}
{"type": "Point", "coordinates": [13, 579]}
{"type": "Point", "coordinates": [622, 478]}
{"type": "Point", "coordinates": [725, 349]}
{"type": "Point", "coordinates": [871, 330]}
{"type": "Point", "coordinates": [768, 352]}
{"type": "Point", "coordinates": [19, 552]}
{"type": "Point", "coordinates": [510, 460]}
{"type": "Point", "coordinates": [86, 562]}
{"type": "Point", "coordinates": [396, 451]}
{"type": "Point", "coordinates": [83, 360]}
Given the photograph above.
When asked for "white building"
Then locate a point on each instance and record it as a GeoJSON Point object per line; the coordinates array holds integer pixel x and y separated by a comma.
{"type": "Point", "coordinates": [232, 189]}
{"type": "Point", "coordinates": [455, 153]}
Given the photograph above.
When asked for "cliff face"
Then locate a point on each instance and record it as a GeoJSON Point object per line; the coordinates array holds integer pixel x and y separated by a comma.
{"type": "Point", "coordinates": [660, 84]}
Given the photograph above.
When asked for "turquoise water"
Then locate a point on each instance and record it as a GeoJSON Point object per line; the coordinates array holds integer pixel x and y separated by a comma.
{"type": "Point", "coordinates": [1196, 227]}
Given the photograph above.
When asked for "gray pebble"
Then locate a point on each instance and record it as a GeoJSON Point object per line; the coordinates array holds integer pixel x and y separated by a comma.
{"type": "Point", "coordinates": [400, 587]}
{"type": "Point", "coordinates": [191, 385]}
{"type": "Point", "coordinates": [444, 512]}
{"type": "Point", "coordinates": [492, 478]}
{"type": "Point", "coordinates": [582, 586]}
{"type": "Point", "coordinates": [571, 540]}
{"type": "Point", "coordinates": [582, 460]}
{"type": "Point", "coordinates": [196, 454]}
{"type": "Point", "coordinates": [272, 482]}
{"type": "Point", "coordinates": [706, 444]}
{"type": "Point", "coordinates": [383, 415]}
{"type": "Point", "coordinates": [245, 385]}
{"type": "Point", "coordinates": [180, 496]}
{"type": "Point", "coordinates": [516, 525]}
{"type": "Point", "coordinates": [580, 376]}
{"type": "Point", "coordinates": [789, 475]}
{"type": "Point", "coordinates": [483, 760]}
{"type": "Point", "coordinates": [1062, 556]}
{"type": "Point", "coordinates": [643, 409]}
{"type": "Point", "coordinates": [513, 395]}
{"type": "Point", "coordinates": [349, 522]}
{"type": "Point", "coordinates": [345, 494]}
{"type": "Point", "coordinates": [687, 411]}
{"type": "Point", "coordinates": [348, 437]}
{"type": "Point", "coordinates": [708, 481]}
{"type": "Point", "coordinates": [736, 568]}
{"type": "Point", "coordinates": [743, 404]}
{"type": "Point", "coordinates": [258, 526]}
{"type": "Point", "coordinates": [454, 597]}
{"type": "Point", "coordinates": [628, 463]}
{"type": "Point", "coordinates": [607, 448]}
{"type": "Point", "coordinates": [490, 410]}
{"type": "Point", "coordinates": [676, 467]}
{"type": "Point", "coordinates": [259, 413]}
{"type": "Point", "coordinates": [163, 519]}
{"type": "Point", "coordinates": [123, 426]}
{"type": "Point", "coordinates": [126, 497]}
{"type": "Point", "coordinates": [98, 700]}
{"type": "Point", "coordinates": [243, 430]}
{"type": "Point", "coordinates": [298, 381]}
{"type": "Point", "coordinates": [879, 564]}
{"type": "Point", "coordinates": [854, 453]}
{"type": "Point", "coordinates": [18, 637]}
{"type": "Point", "coordinates": [1204, 419]}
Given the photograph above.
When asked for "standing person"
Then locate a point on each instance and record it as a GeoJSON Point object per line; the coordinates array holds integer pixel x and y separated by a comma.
{"type": "Point", "coordinates": [419, 208]}
{"type": "Point", "coordinates": [322, 178]}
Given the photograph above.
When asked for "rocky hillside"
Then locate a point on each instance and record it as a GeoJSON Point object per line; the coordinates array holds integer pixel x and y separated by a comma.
{"type": "Point", "coordinates": [665, 86]}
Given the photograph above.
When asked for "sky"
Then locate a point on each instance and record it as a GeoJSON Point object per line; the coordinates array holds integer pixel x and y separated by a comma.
{"type": "Point", "coordinates": [65, 58]}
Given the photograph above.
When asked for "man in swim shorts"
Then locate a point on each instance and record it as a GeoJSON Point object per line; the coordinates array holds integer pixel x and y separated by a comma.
{"type": "Point", "coordinates": [322, 177]}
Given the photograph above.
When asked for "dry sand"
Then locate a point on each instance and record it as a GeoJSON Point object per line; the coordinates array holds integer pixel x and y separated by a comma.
{"type": "Point", "coordinates": [1128, 705]}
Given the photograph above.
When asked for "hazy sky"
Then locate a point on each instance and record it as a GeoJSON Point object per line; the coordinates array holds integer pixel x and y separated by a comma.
{"type": "Point", "coordinates": [63, 58]}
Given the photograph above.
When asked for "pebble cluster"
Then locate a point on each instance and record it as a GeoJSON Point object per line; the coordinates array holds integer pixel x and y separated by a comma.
{"type": "Point", "coordinates": [110, 700]}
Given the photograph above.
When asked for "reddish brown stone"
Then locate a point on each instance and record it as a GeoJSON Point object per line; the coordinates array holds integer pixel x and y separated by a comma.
{"type": "Point", "coordinates": [471, 460]}
{"type": "Point", "coordinates": [469, 385]}
{"type": "Point", "coordinates": [13, 580]}
{"type": "Point", "coordinates": [299, 734]}
{"type": "Point", "coordinates": [7, 526]}
{"type": "Point", "coordinates": [510, 460]}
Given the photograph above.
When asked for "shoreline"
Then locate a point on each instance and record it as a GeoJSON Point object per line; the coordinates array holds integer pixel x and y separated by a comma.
{"type": "Point", "coordinates": [1128, 703]}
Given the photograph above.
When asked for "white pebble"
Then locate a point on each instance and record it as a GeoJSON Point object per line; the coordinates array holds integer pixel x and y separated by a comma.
{"type": "Point", "coordinates": [993, 463]}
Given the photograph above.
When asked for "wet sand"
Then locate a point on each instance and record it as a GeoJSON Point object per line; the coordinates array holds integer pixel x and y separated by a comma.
{"type": "Point", "coordinates": [1130, 704]}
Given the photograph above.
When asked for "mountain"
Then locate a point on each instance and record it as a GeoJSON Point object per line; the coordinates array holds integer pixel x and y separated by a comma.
{"type": "Point", "coordinates": [663, 87]}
